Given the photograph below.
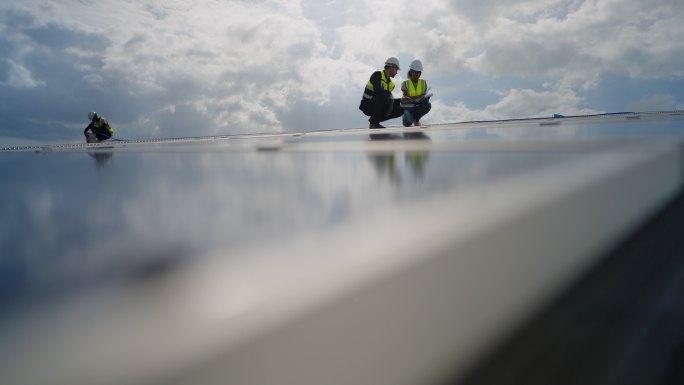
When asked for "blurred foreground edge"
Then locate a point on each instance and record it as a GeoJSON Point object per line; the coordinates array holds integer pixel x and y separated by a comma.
{"type": "Point", "coordinates": [430, 320]}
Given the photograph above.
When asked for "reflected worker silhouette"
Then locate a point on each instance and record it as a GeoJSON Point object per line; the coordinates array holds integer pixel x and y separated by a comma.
{"type": "Point", "coordinates": [388, 164]}
{"type": "Point", "coordinates": [385, 163]}
{"type": "Point", "coordinates": [418, 162]}
{"type": "Point", "coordinates": [406, 136]}
{"type": "Point", "coordinates": [101, 158]}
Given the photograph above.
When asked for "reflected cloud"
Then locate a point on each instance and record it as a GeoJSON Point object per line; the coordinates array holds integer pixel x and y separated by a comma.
{"type": "Point", "coordinates": [66, 224]}
{"type": "Point", "coordinates": [174, 254]}
{"type": "Point", "coordinates": [72, 224]}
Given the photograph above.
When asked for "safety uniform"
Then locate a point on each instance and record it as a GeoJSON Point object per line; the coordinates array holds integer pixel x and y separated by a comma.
{"type": "Point", "coordinates": [384, 86]}
{"type": "Point", "coordinates": [101, 128]}
{"type": "Point", "coordinates": [377, 101]}
{"type": "Point", "coordinates": [412, 90]}
{"type": "Point", "coordinates": [414, 110]}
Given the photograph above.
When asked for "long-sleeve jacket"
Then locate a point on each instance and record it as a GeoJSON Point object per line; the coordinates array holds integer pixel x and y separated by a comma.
{"type": "Point", "coordinates": [379, 84]}
{"type": "Point", "coordinates": [100, 127]}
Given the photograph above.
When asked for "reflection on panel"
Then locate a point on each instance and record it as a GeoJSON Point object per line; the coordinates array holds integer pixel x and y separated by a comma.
{"type": "Point", "coordinates": [271, 259]}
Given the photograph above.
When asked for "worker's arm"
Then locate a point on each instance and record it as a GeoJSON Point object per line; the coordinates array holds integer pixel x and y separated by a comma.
{"type": "Point", "coordinates": [405, 91]}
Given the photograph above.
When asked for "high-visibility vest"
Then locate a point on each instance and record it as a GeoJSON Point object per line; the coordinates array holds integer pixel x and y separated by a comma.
{"type": "Point", "coordinates": [385, 83]}
{"type": "Point", "coordinates": [101, 125]}
{"type": "Point", "coordinates": [413, 90]}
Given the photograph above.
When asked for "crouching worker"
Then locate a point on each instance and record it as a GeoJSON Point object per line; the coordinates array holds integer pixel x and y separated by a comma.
{"type": "Point", "coordinates": [416, 101]}
{"type": "Point", "coordinates": [99, 129]}
{"type": "Point", "coordinates": [377, 101]}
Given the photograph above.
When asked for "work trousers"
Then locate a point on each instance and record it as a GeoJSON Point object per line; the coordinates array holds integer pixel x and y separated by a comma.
{"type": "Point", "coordinates": [380, 109]}
{"type": "Point", "coordinates": [413, 114]}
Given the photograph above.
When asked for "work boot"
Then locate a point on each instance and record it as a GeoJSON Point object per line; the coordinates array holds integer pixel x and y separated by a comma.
{"type": "Point", "coordinates": [376, 125]}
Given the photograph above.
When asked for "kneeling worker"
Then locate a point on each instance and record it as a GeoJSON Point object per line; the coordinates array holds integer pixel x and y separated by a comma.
{"type": "Point", "coordinates": [100, 128]}
{"type": "Point", "coordinates": [416, 101]}
{"type": "Point", "coordinates": [377, 101]}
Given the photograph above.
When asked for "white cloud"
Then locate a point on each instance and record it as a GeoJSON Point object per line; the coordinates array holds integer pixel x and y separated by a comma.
{"type": "Point", "coordinates": [245, 66]}
{"type": "Point", "coordinates": [595, 37]}
{"type": "Point", "coordinates": [196, 54]}
{"type": "Point", "coordinates": [516, 103]}
{"type": "Point", "coordinates": [570, 42]}
{"type": "Point", "coordinates": [656, 102]}
{"type": "Point", "coordinates": [18, 76]}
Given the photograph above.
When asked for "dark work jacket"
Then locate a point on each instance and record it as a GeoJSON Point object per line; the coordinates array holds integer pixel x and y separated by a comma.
{"type": "Point", "coordinates": [374, 89]}
{"type": "Point", "coordinates": [100, 128]}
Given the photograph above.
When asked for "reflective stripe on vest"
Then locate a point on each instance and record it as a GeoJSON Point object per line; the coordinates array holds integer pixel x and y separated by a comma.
{"type": "Point", "coordinates": [386, 85]}
{"type": "Point", "coordinates": [102, 125]}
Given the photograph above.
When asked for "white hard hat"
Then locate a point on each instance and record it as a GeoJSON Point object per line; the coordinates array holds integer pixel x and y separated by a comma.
{"type": "Point", "coordinates": [392, 62]}
{"type": "Point", "coordinates": [92, 115]}
{"type": "Point", "coordinates": [416, 65]}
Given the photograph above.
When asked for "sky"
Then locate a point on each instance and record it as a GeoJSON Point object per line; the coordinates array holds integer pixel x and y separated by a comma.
{"type": "Point", "coordinates": [208, 67]}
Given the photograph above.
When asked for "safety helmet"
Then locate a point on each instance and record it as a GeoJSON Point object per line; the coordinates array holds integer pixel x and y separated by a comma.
{"type": "Point", "coordinates": [416, 65]}
{"type": "Point", "coordinates": [392, 62]}
{"type": "Point", "coordinates": [92, 115]}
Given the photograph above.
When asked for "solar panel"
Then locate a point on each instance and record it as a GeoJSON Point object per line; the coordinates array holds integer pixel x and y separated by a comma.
{"type": "Point", "coordinates": [347, 256]}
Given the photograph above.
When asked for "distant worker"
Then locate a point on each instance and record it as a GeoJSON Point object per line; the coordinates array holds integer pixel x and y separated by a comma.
{"type": "Point", "coordinates": [416, 100]}
{"type": "Point", "coordinates": [100, 128]}
{"type": "Point", "coordinates": [377, 101]}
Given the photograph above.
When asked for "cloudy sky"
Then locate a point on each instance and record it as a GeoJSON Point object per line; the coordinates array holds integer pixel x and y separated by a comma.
{"type": "Point", "coordinates": [205, 67]}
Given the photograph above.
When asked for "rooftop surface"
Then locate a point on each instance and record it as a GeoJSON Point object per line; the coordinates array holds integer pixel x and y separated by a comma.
{"type": "Point", "coordinates": [396, 256]}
